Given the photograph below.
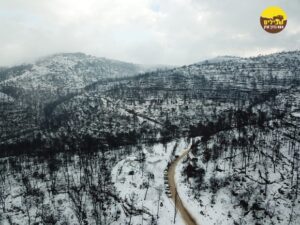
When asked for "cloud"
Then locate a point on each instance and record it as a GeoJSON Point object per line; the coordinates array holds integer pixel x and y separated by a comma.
{"type": "Point", "coordinates": [143, 31]}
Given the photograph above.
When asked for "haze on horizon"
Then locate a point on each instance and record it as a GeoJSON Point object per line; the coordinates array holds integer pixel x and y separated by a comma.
{"type": "Point", "coordinates": [172, 32]}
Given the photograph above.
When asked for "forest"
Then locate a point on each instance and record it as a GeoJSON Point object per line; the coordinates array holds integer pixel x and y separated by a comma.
{"type": "Point", "coordinates": [70, 123]}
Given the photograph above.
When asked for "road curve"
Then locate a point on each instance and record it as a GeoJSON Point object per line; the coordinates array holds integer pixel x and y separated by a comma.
{"type": "Point", "coordinates": [186, 216]}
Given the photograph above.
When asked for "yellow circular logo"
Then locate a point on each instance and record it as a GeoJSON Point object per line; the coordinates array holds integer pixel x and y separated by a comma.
{"type": "Point", "coordinates": [273, 19]}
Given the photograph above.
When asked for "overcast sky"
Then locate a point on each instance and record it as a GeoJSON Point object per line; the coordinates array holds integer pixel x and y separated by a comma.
{"type": "Point", "coordinates": [173, 32]}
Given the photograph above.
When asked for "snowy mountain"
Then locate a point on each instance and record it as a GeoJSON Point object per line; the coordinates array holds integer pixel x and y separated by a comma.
{"type": "Point", "coordinates": [67, 72]}
{"type": "Point", "coordinates": [86, 140]}
{"type": "Point", "coordinates": [72, 92]}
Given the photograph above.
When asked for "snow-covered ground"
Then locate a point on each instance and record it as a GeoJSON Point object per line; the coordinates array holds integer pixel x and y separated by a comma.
{"type": "Point", "coordinates": [204, 213]}
{"type": "Point", "coordinates": [65, 189]}
{"type": "Point", "coordinates": [241, 196]}
{"type": "Point", "coordinates": [4, 98]}
{"type": "Point", "coordinates": [131, 179]}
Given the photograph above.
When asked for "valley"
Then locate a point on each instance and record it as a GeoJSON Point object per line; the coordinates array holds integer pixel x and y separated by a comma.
{"type": "Point", "coordinates": [86, 140]}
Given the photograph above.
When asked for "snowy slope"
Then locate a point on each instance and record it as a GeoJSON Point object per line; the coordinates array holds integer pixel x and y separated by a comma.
{"type": "Point", "coordinates": [71, 71]}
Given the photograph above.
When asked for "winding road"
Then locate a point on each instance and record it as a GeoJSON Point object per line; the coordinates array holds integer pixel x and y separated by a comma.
{"type": "Point", "coordinates": [186, 216]}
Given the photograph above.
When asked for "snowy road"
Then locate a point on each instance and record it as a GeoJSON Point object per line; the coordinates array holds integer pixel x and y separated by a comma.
{"type": "Point", "coordinates": [186, 216]}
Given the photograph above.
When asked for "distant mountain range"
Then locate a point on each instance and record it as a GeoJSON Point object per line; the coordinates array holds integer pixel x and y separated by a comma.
{"type": "Point", "coordinates": [71, 71]}
{"type": "Point", "coordinates": [67, 71]}
{"type": "Point", "coordinates": [76, 94]}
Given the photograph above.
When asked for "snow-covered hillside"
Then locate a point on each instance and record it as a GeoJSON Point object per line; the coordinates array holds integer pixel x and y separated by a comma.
{"type": "Point", "coordinates": [80, 147]}
{"type": "Point", "coordinates": [248, 175]}
{"type": "Point", "coordinates": [69, 72]}
{"type": "Point", "coordinates": [125, 186]}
